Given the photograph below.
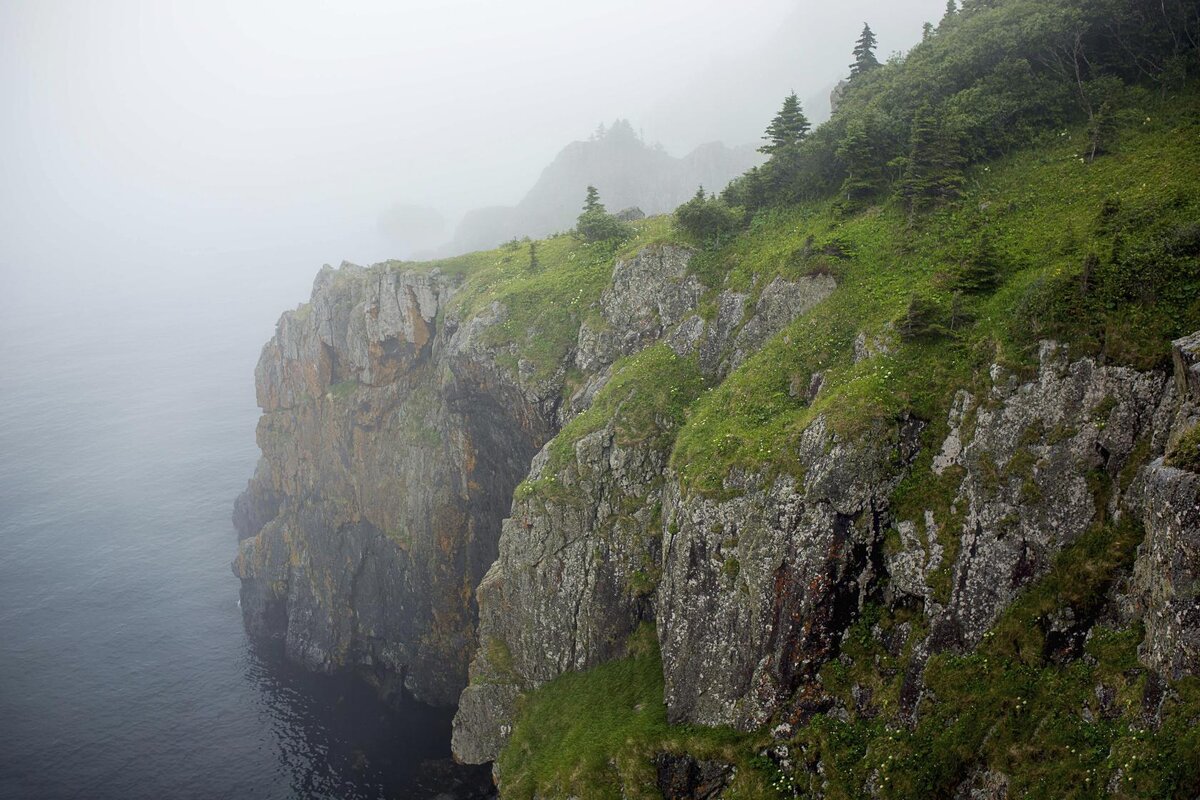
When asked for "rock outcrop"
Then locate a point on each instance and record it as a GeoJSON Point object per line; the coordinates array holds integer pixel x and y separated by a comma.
{"type": "Point", "coordinates": [441, 517]}
{"type": "Point", "coordinates": [758, 589]}
{"type": "Point", "coordinates": [581, 553]}
{"type": "Point", "coordinates": [1166, 579]}
{"type": "Point", "coordinates": [1044, 457]}
{"type": "Point", "coordinates": [391, 445]}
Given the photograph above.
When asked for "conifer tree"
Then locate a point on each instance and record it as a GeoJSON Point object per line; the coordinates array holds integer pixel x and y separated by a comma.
{"type": "Point", "coordinates": [980, 272]}
{"type": "Point", "coordinates": [592, 202]}
{"type": "Point", "coordinates": [864, 173]}
{"type": "Point", "coordinates": [933, 169]}
{"type": "Point", "coordinates": [951, 11]}
{"type": "Point", "coordinates": [864, 53]}
{"type": "Point", "coordinates": [534, 264]}
{"type": "Point", "coordinates": [595, 224]}
{"type": "Point", "coordinates": [788, 128]}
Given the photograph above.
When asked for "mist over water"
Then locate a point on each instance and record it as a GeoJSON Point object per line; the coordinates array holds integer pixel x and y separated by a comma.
{"type": "Point", "coordinates": [127, 420]}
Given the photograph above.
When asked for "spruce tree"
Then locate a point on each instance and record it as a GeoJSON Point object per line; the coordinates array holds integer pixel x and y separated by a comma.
{"type": "Point", "coordinates": [864, 173]}
{"type": "Point", "coordinates": [933, 169]}
{"type": "Point", "coordinates": [788, 128]}
{"type": "Point", "coordinates": [595, 224]}
{"type": "Point", "coordinates": [592, 202]}
{"type": "Point", "coordinates": [980, 272]}
{"type": "Point", "coordinates": [951, 11]}
{"type": "Point", "coordinates": [864, 53]}
{"type": "Point", "coordinates": [534, 264]}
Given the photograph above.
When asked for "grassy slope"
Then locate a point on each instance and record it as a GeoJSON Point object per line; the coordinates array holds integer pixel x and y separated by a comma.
{"type": "Point", "coordinates": [1003, 706]}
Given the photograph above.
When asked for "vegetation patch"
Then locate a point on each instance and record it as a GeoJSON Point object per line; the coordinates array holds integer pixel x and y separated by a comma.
{"type": "Point", "coordinates": [1185, 452]}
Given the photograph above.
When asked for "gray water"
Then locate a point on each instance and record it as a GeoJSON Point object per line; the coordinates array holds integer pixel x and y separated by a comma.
{"type": "Point", "coordinates": [127, 420]}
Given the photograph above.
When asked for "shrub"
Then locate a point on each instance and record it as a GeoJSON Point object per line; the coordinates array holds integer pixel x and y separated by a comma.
{"type": "Point", "coordinates": [1185, 453]}
{"type": "Point", "coordinates": [600, 226]}
{"type": "Point", "coordinates": [709, 220]}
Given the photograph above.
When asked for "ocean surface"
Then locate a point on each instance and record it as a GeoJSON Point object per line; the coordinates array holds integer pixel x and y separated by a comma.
{"type": "Point", "coordinates": [127, 420]}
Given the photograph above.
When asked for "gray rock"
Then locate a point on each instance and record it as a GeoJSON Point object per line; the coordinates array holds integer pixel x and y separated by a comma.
{"type": "Point", "coordinates": [574, 578]}
{"type": "Point", "coordinates": [1166, 578]}
{"type": "Point", "coordinates": [758, 588]}
{"type": "Point", "coordinates": [1165, 589]}
{"type": "Point", "coordinates": [390, 449]}
{"type": "Point", "coordinates": [649, 293]}
{"type": "Point", "coordinates": [1028, 463]}
{"type": "Point", "coordinates": [780, 302]}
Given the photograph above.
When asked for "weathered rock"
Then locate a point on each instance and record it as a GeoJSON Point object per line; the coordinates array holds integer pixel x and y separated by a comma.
{"type": "Point", "coordinates": [390, 451]}
{"type": "Point", "coordinates": [1166, 578]}
{"type": "Point", "coordinates": [256, 506]}
{"type": "Point", "coordinates": [649, 293]}
{"type": "Point", "coordinates": [578, 563]}
{"type": "Point", "coordinates": [681, 777]}
{"type": "Point", "coordinates": [758, 588]}
{"type": "Point", "coordinates": [1040, 463]}
{"type": "Point", "coordinates": [780, 302]}
{"type": "Point", "coordinates": [983, 784]}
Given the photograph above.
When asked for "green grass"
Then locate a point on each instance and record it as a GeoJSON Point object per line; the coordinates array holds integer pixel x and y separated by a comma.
{"type": "Point", "coordinates": [543, 307]}
{"type": "Point", "coordinates": [1185, 452]}
{"type": "Point", "coordinates": [1009, 705]}
{"type": "Point", "coordinates": [594, 735]}
{"type": "Point", "coordinates": [1101, 256]}
{"type": "Point", "coordinates": [1045, 213]}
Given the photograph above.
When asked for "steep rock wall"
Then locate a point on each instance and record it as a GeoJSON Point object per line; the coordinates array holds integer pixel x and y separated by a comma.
{"type": "Point", "coordinates": [391, 445]}
{"type": "Point", "coordinates": [581, 553]}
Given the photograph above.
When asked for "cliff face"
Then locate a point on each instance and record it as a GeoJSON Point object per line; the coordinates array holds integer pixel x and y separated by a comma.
{"type": "Point", "coordinates": [424, 502]}
{"type": "Point", "coordinates": [391, 445]}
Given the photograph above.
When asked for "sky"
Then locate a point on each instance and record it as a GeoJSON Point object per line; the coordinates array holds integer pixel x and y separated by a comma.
{"type": "Point", "coordinates": [142, 137]}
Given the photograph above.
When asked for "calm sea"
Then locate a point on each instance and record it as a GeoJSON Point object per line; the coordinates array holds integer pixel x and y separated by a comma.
{"type": "Point", "coordinates": [126, 430]}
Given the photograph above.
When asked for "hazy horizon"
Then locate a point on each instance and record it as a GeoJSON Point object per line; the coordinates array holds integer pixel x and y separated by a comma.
{"type": "Point", "coordinates": [171, 133]}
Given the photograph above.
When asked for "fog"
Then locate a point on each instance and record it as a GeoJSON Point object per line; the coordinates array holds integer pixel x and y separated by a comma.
{"type": "Point", "coordinates": [150, 138]}
{"type": "Point", "coordinates": [172, 176]}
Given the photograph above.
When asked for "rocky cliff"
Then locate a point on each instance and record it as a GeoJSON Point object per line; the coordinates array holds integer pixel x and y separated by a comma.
{"type": "Point", "coordinates": [430, 499]}
{"type": "Point", "coordinates": [391, 446]}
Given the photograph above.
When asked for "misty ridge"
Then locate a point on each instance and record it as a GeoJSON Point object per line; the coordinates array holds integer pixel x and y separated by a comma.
{"type": "Point", "coordinates": [628, 172]}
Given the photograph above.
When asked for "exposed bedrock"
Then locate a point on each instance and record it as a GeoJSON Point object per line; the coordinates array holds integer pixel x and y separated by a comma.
{"type": "Point", "coordinates": [581, 554]}
{"type": "Point", "coordinates": [415, 519]}
{"type": "Point", "coordinates": [391, 446]}
{"type": "Point", "coordinates": [758, 589]}
{"type": "Point", "coordinates": [1166, 579]}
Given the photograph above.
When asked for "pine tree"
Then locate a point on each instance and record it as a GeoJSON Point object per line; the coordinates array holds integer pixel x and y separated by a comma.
{"type": "Point", "coordinates": [980, 272]}
{"type": "Point", "coordinates": [595, 224]}
{"type": "Point", "coordinates": [933, 169]}
{"type": "Point", "coordinates": [864, 53]}
{"type": "Point", "coordinates": [864, 173]}
{"type": "Point", "coordinates": [592, 202]}
{"type": "Point", "coordinates": [926, 31]}
{"type": "Point", "coordinates": [951, 11]}
{"type": "Point", "coordinates": [788, 128]}
{"type": "Point", "coordinates": [534, 264]}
